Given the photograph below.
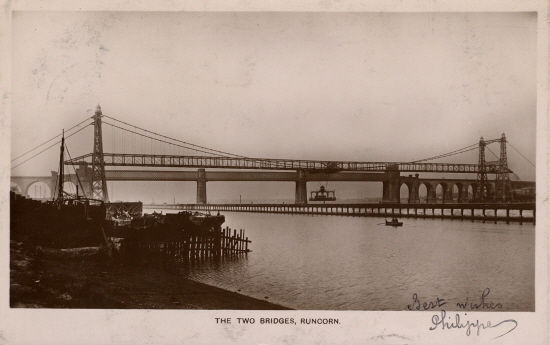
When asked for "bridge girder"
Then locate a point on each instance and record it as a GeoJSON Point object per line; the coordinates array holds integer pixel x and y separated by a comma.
{"type": "Point", "coordinates": [172, 161]}
{"type": "Point", "coordinates": [281, 176]}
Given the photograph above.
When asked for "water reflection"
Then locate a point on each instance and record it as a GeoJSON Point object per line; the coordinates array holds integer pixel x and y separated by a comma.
{"type": "Point", "coordinates": [356, 263]}
{"type": "Point", "coordinates": [205, 264]}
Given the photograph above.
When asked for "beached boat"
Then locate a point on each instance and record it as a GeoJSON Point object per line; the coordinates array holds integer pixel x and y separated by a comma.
{"type": "Point", "coordinates": [67, 221]}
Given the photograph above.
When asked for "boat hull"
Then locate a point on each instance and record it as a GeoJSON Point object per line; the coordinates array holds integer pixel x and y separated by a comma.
{"type": "Point", "coordinates": [394, 223]}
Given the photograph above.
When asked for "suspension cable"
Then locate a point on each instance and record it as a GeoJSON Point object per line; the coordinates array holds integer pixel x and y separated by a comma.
{"type": "Point", "coordinates": [492, 152]}
{"type": "Point", "coordinates": [155, 139]}
{"type": "Point", "coordinates": [183, 142]}
{"type": "Point", "coordinates": [452, 153]}
{"type": "Point", "coordinates": [521, 154]}
{"type": "Point", "coordinates": [49, 147]}
{"type": "Point", "coordinates": [49, 140]}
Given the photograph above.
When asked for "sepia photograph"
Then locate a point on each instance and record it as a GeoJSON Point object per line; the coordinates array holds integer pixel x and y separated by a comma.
{"type": "Point", "coordinates": [324, 165]}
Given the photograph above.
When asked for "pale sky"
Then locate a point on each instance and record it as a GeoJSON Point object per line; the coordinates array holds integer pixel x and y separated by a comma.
{"type": "Point", "coordinates": [328, 86]}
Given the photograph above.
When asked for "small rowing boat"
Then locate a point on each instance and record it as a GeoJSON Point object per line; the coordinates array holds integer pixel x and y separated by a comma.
{"type": "Point", "coordinates": [394, 222]}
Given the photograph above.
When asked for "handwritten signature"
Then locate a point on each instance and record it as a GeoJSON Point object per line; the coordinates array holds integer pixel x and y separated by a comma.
{"type": "Point", "coordinates": [444, 322]}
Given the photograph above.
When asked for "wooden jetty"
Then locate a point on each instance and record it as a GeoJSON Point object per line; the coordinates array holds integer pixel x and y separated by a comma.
{"type": "Point", "coordinates": [191, 245]}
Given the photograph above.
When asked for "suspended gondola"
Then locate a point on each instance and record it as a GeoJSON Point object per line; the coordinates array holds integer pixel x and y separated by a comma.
{"type": "Point", "coordinates": [323, 195]}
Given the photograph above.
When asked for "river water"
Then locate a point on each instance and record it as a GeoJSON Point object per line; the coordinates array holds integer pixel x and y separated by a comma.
{"type": "Point", "coordinates": [358, 263]}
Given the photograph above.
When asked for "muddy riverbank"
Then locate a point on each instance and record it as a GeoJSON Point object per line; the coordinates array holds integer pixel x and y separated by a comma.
{"type": "Point", "coordinates": [41, 279]}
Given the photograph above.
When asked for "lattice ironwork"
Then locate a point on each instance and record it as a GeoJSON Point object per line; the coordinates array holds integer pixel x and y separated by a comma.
{"type": "Point", "coordinates": [503, 185]}
{"type": "Point", "coordinates": [99, 184]}
{"type": "Point", "coordinates": [481, 194]}
{"type": "Point", "coordinates": [174, 161]}
{"type": "Point", "coordinates": [499, 168]}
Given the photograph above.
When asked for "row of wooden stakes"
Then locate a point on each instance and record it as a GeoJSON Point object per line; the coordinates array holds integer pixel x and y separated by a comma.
{"type": "Point", "coordinates": [216, 243]}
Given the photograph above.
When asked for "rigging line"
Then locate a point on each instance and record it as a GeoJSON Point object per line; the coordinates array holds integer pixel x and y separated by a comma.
{"type": "Point", "coordinates": [521, 154]}
{"type": "Point", "coordinates": [55, 187]}
{"type": "Point", "coordinates": [202, 147]}
{"type": "Point", "coordinates": [49, 147]}
{"type": "Point", "coordinates": [452, 153]}
{"type": "Point", "coordinates": [78, 178]}
{"type": "Point", "coordinates": [155, 139]}
{"type": "Point", "coordinates": [48, 141]}
{"type": "Point", "coordinates": [56, 177]}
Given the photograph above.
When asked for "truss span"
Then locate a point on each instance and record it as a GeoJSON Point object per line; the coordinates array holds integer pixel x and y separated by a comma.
{"type": "Point", "coordinates": [172, 161]}
{"type": "Point", "coordinates": [281, 176]}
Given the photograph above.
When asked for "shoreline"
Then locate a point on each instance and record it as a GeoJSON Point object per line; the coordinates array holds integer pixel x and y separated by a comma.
{"type": "Point", "coordinates": [95, 282]}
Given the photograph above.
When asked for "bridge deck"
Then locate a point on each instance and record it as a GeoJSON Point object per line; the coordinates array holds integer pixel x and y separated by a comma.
{"type": "Point", "coordinates": [281, 176]}
{"type": "Point", "coordinates": [142, 160]}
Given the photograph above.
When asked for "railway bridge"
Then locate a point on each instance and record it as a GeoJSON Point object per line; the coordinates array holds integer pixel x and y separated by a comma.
{"type": "Point", "coordinates": [392, 182]}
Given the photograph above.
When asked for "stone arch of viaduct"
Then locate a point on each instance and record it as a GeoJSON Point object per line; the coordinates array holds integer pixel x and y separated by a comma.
{"type": "Point", "coordinates": [447, 189]}
{"type": "Point", "coordinates": [392, 182]}
{"type": "Point", "coordinates": [25, 182]}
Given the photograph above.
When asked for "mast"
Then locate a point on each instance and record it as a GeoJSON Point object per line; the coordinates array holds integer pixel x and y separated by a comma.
{"type": "Point", "coordinates": [61, 167]}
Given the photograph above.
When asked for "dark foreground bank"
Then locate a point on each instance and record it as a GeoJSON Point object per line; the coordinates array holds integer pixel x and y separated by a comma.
{"type": "Point", "coordinates": [39, 279]}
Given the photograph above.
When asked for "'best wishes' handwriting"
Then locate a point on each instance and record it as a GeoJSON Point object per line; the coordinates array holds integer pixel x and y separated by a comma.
{"type": "Point", "coordinates": [439, 302]}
